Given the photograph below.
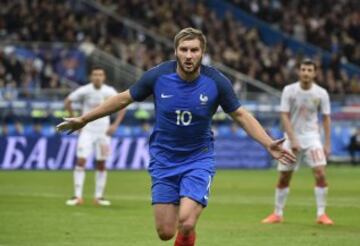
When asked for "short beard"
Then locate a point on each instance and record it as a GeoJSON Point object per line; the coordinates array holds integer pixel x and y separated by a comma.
{"type": "Point", "coordinates": [196, 66]}
{"type": "Point", "coordinates": [308, 80]}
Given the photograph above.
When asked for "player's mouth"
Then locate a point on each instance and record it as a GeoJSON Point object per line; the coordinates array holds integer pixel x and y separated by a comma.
{"type": "Point", "coordinates": [188, 65]}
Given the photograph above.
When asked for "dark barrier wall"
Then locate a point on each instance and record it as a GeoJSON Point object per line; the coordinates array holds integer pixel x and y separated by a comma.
{"type": "Point", "coordinates": [58, 152]}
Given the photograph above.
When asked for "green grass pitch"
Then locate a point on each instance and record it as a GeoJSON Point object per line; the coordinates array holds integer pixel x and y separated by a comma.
{"type": "Point", "coordinates": [33, 211]}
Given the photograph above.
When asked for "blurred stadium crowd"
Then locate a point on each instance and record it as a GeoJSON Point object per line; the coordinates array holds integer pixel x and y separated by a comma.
{"type": "Point", "coordinates": [39, 48]}
{"type": "Point", "coordinates": [336, 30]}
{"type": "Point", "coordinates": [230, 42]}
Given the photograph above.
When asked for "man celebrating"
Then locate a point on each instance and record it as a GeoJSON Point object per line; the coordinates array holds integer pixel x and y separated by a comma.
{"type": "Point", "coordinates": [94, 136]}
{"type": "Point", "coordinates": [300, 104]}
{"type": "Point", "coordinates": [186, 95]}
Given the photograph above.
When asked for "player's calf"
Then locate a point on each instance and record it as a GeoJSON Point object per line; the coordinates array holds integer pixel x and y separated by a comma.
{"type": "Point", "coordinates": [186, 230]}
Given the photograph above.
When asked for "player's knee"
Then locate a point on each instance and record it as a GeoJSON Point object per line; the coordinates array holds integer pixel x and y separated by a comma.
{"type": "Point", "coordinates": [81, 162]}
{"type": "Point", "coordinates": [284, 181]}
{"type": "Point", "coordinates": [100, 166]}
{"type": "Point", "coordinates": [186, 226]}
{"type": "Point", "coordinates": [320, 180]}
{"type": "Point", "coordinates": [165, 234]}
{"type": "Point", "coordinates": [283, 184]}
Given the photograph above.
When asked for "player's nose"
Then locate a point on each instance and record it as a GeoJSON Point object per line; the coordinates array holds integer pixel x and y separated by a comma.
{"type": "Point", "coordinates": [188, 55]}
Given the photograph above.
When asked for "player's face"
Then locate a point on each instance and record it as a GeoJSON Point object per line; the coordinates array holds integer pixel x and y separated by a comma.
{"type": "Point", "coordinates": [307, 73]}
{"type": "Point", "coordinates": [97, 77]}
{"type": "Point", "coordinates": [189, 55]}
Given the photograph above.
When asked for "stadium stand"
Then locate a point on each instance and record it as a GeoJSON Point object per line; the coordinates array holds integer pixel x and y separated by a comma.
{"type": "Point", "coordinates": [337, 31]}
{"type": "Point", "coordinates": [40, 52]}
{"type": "Point", "coordinates": [230, 41]}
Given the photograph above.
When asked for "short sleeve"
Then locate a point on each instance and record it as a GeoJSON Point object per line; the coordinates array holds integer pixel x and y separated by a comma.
{"type": "Point", "coordinates": [227, 97]}
{"type": "Point", "coordinates": [285, 100]}
{"type": "Point", "coordinates": [77, 95]}
{"type": "Point", "coordinates": [112, 92]}
{"type": "Point", "coordinates": [325, 104]}
{"type": "Point", "coordinates": [143, 88]}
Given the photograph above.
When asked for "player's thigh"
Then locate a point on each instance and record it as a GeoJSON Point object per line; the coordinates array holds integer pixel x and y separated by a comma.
{"type": "Point", "coordinates": [315, 155]}
{"type": "Point", "coordinates": [195, 185]}
{"type": "Point", "coordinates": [102, 147]}
{"type": "Point", "coordinates": [166, 218]}
{"type": "Point", "coordinates": [85, 145]}
{"type": "Point", "coordinates": [165, 200]}
{"type": "Point", "coordinates": [289, 168]}
{"type": "Point", "coordinates": [189, 213]}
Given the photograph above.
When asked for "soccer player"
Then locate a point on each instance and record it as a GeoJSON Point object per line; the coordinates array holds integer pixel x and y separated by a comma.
{"type": "Point", "coordinates": [95, 136]}
{"type": "Point", "coordinates": [301, 102]}
{"type": "Point", "coordinates": [186, 95]}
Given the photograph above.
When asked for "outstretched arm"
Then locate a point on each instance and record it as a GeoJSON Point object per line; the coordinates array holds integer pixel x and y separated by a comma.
{"type": "Point", "coordinates": [110, 106]}
{"type": "Point", "coordinates": [256, 131]}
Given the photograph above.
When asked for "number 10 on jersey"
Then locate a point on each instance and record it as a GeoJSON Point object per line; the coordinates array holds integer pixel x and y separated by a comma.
{"type": "Point", "coordinates": [183, 117]}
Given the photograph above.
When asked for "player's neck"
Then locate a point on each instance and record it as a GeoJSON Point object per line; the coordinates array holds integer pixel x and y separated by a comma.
{"type": "Point", "coordinates": [187, 76]}
{"type": "Point", "coordinates": [97, 87]}
{"type": "Point", "coordinates": [306, 86]}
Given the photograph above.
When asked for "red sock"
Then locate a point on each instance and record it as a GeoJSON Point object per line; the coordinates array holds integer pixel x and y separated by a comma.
{"type": "Point", "coordinates": [182, 240]}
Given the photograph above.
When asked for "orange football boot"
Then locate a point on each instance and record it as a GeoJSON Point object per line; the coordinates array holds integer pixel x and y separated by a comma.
{"type": "Point", "coordinates": [272, 219]}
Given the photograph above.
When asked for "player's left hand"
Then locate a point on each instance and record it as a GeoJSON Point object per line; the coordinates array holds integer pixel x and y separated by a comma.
{"type": "Point", "coordinates": [110, 131]}
{"type": "Point", "coordinates": [281, 154]}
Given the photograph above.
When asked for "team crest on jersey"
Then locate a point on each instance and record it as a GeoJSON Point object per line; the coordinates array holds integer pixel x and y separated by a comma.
{"type": "Point", "coordinates": [316, 102]}
{"type": "Point", "coordinates": [203, 99]}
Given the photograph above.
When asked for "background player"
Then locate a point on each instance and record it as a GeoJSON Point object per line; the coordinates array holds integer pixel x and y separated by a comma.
{"type": "Point", "coordinates": [186, 96]}
{"type": "Point", "coordinates": [300, 104]}
{"type": "Point", "coordinates": [93, 137]}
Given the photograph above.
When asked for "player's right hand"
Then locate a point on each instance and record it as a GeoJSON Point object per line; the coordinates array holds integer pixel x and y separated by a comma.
{"type": "Point", "coordinates": [70, 125]}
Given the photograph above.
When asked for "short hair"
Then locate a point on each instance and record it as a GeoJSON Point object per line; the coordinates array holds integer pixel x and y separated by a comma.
{"type": "Point", "coordinates": [190, 33]}
{"type": "Point", "coordinates": [93, 68]}
{"type": "Point", "coordinates": [308, 62]}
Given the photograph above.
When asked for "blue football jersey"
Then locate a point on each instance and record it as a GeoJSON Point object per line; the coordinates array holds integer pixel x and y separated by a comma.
{"type": "Point", "coordinates": [183, 113]}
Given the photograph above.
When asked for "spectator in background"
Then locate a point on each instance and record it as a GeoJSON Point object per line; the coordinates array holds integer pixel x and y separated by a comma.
{"type": "Point", "coordinates": [336, 29]}
{"type": "Point", "coordinates": [10, 91]}
{"type": "Point", "coordinates": [3, 130]}
{"type": "Point", "coordinates": [2, 90]}
{"type": "Point", "coordinates": [14, 68]}
{"type": "Point", "coordinates": [243, 49]}
{"type": "Point", "coordinates": [354, 147]}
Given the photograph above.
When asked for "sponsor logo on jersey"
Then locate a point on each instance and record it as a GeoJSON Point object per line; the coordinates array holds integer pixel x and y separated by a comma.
{"type": "Point", "coordinates": [203, 99]}
{"type": "Point", "coordinates": [316, 102]}
{"type": "Point", "coordinates": [166, 96]}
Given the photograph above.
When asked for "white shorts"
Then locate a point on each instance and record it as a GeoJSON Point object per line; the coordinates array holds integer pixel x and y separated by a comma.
{"type": "Point", "coordinates": [313, 155]}
{"type": "Point", "coordinates": [89, 141]}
